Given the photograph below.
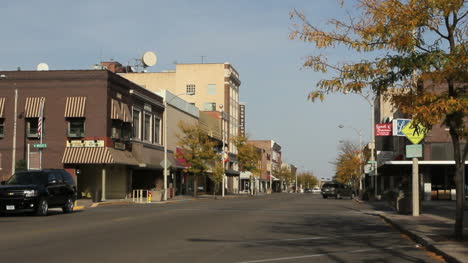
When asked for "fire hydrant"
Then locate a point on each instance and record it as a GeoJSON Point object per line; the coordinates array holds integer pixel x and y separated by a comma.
{"type": "Point", "coordinates": [150, 196]}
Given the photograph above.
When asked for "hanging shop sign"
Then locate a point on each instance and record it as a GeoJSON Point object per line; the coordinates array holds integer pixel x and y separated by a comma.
{"type": "Point", "coordinates": [383, 129]}
{"type": "Point", "coordinates": [85, 143]}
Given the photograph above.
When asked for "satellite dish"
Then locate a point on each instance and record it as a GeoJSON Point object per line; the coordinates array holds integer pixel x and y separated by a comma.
{"type": "Point", "coordinates": [149, 59]}
{"type": "Point", "coordinates": [42, 67]}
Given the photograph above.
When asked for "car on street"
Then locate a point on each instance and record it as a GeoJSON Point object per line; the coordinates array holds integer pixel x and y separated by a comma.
{"type": "Point", "coordinates": [316, 190]}
{"type": "Point", "coordinates": [37, 191]}
{"type": "Point", "coordinates": [337, 190]}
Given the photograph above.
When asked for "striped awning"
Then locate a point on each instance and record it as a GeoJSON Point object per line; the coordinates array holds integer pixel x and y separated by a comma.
{"type": "Point", "coordinates": [97, 155]}
{"type": "Point", "coordinates": [2, 107]}
{"type": "Point", "coordinates": [75, 107]}
{"type": "Point", "coordinates": [126, 115]}
{"type": "Point", "coordinates": [33, 106]}
{"type": "Point", "coordinates": [116, 113]}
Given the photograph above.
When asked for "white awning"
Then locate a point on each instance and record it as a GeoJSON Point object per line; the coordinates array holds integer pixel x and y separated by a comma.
{"type": "Point", "coordinates": [274, 178]}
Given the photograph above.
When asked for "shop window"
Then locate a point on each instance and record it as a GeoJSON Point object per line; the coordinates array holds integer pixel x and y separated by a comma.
{"type": "Point", "coordinates": [75, 128]}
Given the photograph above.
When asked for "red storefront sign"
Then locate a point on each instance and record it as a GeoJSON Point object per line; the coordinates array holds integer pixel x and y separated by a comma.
{"type": "Point", "coordinates": [383, 129]}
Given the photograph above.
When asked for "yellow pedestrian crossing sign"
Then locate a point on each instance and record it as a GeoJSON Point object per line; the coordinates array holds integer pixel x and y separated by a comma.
{"type": "Point", "coordinates": [414, 134]}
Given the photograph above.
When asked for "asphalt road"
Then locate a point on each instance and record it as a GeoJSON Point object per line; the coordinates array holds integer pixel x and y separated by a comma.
{"type": "Point", "coordinates": [275, 228]}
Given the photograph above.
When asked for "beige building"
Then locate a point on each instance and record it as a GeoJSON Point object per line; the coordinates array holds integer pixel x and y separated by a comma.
{"type": "Point", "coordinates": [215, 87]}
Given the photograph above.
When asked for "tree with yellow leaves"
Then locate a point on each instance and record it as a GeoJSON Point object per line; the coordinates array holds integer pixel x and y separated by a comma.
{"type": "Point", "coordinates": [414, 44]}
{"type": "Point", "coordinates": [197, 151]}
{"type": "Point", "coordinates": [248, 157]}
{"type": "Point", "coordinates": [348, 165]}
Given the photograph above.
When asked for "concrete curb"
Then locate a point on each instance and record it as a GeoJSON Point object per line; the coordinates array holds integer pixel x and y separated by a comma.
{"type": "Point", "coordinates": [421, 239]}
{"type": "Point", "coordinates": [358, 201]}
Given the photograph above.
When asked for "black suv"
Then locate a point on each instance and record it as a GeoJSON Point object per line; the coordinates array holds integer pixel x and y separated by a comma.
{"type": "Point", "coordinates": [337, 190]}
{"type": "Point", "coordinates": [36, 191]}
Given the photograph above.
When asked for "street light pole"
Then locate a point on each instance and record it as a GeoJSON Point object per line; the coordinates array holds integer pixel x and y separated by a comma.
{"type": "Point", "coordinates": [222, 148]}
{"type": "Point", "coordinates": [372, 143]}
{"type": "Point", "coordinates": [166, 171]}
{"type": "Point", "coordinates": [359, 132]}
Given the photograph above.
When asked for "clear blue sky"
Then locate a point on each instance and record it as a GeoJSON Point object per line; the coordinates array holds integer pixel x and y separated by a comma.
{"type": "Point", "coordinates": [250, 34]}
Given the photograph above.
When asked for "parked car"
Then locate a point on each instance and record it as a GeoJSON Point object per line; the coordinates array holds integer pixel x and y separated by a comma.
{"type": "Point", "coordinates": [316, 190]}
{"type": "Point", "coordinates": [37, 191]}
{"type": "Point", "coordinates": [337, 190]}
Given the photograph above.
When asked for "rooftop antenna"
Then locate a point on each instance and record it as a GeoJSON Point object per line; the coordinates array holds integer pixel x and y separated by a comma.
{"type": "Point", "coordinates": [148, 59]}
{"type": "Point", "coordinates": [42, 67]}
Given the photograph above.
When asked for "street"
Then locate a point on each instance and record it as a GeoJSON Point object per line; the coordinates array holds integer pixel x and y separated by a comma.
{"type": "Point", "coordinates": [271, 228]}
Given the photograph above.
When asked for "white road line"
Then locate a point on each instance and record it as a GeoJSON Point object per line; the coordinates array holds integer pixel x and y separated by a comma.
{"type": "Point", "coordinates": [305, 238]}
{"type": "Point", "coordinates": [323, 254]}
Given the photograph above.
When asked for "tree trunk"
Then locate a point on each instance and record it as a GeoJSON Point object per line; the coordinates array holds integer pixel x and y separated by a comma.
{"type": "Point", "coordinates": [195, 186]}
{"type": "Point", "coordinates": [459, 183]}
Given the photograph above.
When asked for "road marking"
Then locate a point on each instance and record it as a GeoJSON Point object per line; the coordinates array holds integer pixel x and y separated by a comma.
{"type": "Point", "coordinates": [324, 254]}
{"type": "Point", "coordinates": [123, 219]}
{"type": "Point", "coordinates": [305, 238]}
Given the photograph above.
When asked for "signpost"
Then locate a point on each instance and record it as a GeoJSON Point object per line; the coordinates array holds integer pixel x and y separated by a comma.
{"type": "Point", "coordinates": [414, 151]}
{"type": "Point", "coordinates": [415, 133]}
{"type": "Point", "coordinates": [398, 125]}
{"type": "Point", "coordinates": [40, 145]}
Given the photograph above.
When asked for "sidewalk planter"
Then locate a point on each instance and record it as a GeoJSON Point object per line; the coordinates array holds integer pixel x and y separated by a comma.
{"type": "Point", "coordinates": [157, 195]}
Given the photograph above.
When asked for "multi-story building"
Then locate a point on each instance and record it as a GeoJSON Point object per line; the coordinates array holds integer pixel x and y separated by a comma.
{"type": "Point", "coordinates": [178, 110]}
{"type": "Point", "coordinates": [285, 186]}
{"type": "Point", "coordinates": [436, 167]}
{"type": "Point", "coordinates": [102, 128]}
{"type": "Point", "coordinates": [213, 87]}
{"type": "Point", "coordinates": [271, 160]}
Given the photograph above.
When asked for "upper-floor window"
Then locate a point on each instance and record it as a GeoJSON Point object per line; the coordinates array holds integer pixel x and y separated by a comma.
{"type": "Point", "coordinates": [157, 130]}
{"type": "Point", "coordinates": [75, 127]}
{"type": "Point", "coordinates": [2, 127]}
{"type": "Point", "coordinates": [211, 89]}
{"type": "Point", "coordinates": [136, 124]}
{"type": "Point", "coordinates": [209, 106]}
{"type": "Point", "coordinates": [126, 131]}
{"type": "Point", "coordinates": [116, 132]}
{"type": "Point", "coordinates": [190, 88]}
{"type": "Point", "coordinates": [31, 127]}
{"type": "Point", "coordinates": [147, 128]}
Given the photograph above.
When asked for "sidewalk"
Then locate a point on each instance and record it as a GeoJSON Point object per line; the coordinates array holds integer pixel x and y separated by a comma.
{"type": "Point", "coordinates": [433, 228]}
{"type": "Point", "coordinates": [88, 203]}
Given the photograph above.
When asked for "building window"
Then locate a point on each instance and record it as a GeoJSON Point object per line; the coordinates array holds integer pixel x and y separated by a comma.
{"type": "Point", "coordinates": [136, 124]}
{"type": "Point", "coordinates": [157, 130]}
{"type": "Point", "coordinates": [190, 88]}
{"type": "Point", "coordinates": [2, 128]}
{"type": "Point", "coordinates": [209, 106]}
{"type": "Point", "coordinates": [31, 127]}
{"type": "Point", "coordinates": [75, 127]}
{"type": "Point", "coordinates": [116, 132]}
{"type": "Point", "coordinates": [147, 128]}
{"type": "Point", "coordinates": [211, 89]}
{"type": "Point", "coordinates": [126, 131]}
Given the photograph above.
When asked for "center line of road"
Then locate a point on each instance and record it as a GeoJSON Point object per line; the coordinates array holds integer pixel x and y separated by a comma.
{"type": "Point", "coordinates": [323, 254]}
